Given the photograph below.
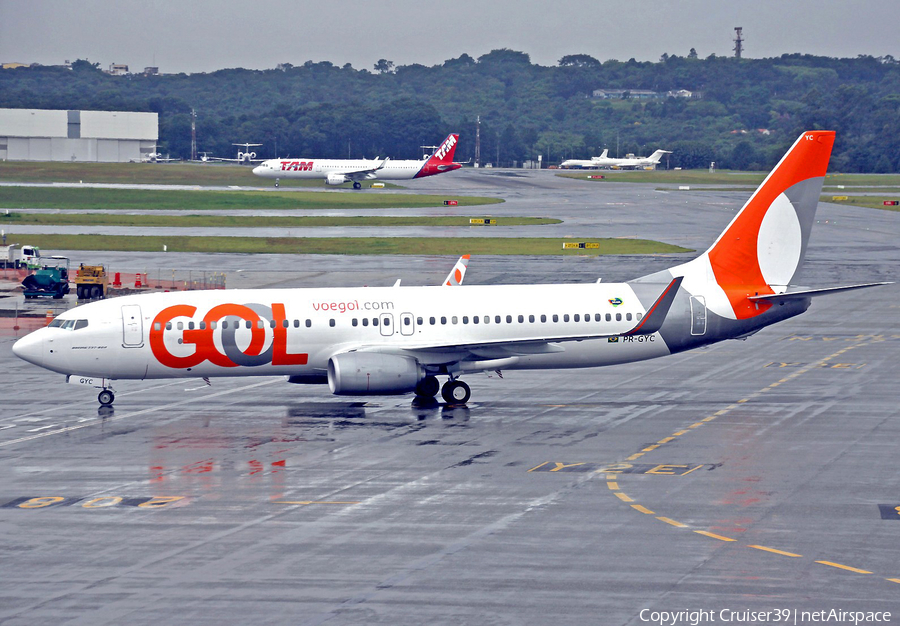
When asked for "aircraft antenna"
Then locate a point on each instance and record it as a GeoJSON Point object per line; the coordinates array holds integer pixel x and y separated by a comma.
{"type": "Point", "coordinates": [738, 41]}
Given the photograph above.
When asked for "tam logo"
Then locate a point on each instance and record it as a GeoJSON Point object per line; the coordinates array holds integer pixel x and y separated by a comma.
{"type": "Point", "coordinates": [616, 301]}
{"type": "Point", "coordinates": [224, 320]}
{"type": "Point", "coordinates": [445, 147]}
{"type": "Point", "coordinates": [297, 166]}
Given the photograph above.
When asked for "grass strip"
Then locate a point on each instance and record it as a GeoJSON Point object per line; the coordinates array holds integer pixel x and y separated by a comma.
{"type": "Point", "coordinates": [344, 245]}
{"type": "Point", "coordinates": [253, 221]}
{"type": "Point", "coordinates": [869, 202]}
{"type": "Point", "coordinates": [93, 199]}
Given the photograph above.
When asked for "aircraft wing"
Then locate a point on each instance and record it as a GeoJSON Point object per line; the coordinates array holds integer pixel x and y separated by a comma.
{"type": "Point", "coordinates": [444, 353]}
{"type": "Point", "coordinates": [225, 159]}
{"type": "Point", "coordinates": [366, 174]}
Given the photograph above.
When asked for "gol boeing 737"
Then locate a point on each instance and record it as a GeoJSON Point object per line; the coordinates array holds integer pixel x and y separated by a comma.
{"type": "Point", "coordinates": [340, 171]}
{"type": "Point", "coordinates": [401, 339]}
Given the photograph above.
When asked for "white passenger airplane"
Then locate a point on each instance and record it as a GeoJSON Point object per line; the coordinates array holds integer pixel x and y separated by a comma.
{"type": "Point", "coordinates": [594, 163]}
{"type": "Point", "coordinates": [390, 340]}
{"type": "Point", "coordinates": [340, 171]}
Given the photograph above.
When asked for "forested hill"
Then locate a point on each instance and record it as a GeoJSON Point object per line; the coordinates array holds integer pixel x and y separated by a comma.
{"type": "Point", "coordinates": [743, 115]}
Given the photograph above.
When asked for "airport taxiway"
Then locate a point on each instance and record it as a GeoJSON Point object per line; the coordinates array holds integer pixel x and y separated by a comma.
{"type": "Point", "coordinates": [751, 475]}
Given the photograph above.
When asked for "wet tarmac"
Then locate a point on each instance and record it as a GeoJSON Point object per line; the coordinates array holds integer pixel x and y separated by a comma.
{"type": "Point", "coordinates": [755, 475]}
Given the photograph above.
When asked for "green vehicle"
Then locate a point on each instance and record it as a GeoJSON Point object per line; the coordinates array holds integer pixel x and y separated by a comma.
{"type": "Point", "coordinates": [51, 281]}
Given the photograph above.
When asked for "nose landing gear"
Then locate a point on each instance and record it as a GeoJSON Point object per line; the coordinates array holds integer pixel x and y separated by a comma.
{"type": "Point", "coordinates": [106, 397]}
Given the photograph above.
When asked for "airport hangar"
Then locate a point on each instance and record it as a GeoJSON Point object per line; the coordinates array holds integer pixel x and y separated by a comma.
{"type": "Point", "coordinates": [92, 136]}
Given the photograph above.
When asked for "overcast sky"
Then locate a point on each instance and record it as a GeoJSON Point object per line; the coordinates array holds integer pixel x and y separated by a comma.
{"type": "Point", "coordinates": [206, 35]}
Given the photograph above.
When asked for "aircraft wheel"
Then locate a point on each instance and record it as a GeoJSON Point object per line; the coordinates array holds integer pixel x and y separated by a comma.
{"type": "Point", "coordinates": [106, 397]}
{"type": "Point", "coordinates": [456, 392]}
{"type": "Point", "coordinates": [428, 387]}
{"type": "Point", "coordinates": [357, 185]}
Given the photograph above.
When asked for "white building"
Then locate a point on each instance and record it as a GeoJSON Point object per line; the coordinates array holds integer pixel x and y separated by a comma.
{"type": "Point", "coordinates": [104, 136]}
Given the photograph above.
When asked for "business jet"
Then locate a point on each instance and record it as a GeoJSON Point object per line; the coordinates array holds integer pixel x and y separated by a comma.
{"type": "Point", "coordinates": [631, 162]}
{"type": "Point", "coordinates": [575, 164]}
{"type": "Point", "coordinates": [340, 171]}
{"type": "Point", "coordinates": [399, 340]}
{"type": "Point", "coordinates": [244, 157]}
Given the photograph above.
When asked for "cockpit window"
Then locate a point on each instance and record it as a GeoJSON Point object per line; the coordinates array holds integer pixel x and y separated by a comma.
{"type": "Point", "coordinates": [68, 324]}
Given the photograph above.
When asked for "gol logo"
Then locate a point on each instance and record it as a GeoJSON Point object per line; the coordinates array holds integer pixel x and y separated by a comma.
{"type": "Point", "coordinates": [230, 354]}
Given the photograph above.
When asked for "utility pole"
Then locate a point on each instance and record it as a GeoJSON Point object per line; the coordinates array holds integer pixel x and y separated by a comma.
{"type": "Point", "coordinates": [738, 42]}
{"type": "Point", "coordinates": [193, 135]}
{"type": "Point", "coordinates": [478, 141]}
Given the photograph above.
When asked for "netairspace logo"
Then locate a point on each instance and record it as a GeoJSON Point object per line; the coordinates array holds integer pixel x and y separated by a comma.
{"type": "Point", "coordinates": [783, 616]}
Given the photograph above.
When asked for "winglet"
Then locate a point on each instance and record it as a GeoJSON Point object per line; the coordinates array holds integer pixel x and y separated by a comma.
{"type": "Point", "coordinates": [455, 277]}
{"type": "Point", "coordinates": [656, 314]}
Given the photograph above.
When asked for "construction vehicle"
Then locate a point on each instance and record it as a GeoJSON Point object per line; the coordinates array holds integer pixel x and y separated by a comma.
{"type": "Point", "coordinates": [91, 282]}
{"type": "Point", "coordinates": [20, 256]}
{"type": "Point", "coordinates": [51, 281]}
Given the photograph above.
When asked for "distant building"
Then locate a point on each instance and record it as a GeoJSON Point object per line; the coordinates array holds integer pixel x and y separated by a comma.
{"type": "Point", "coordinates": [117, 69]}
{"type": "Point", "coordinates": [151, 71]}
{"type": "Point", "coordinates": [12, 66]}
{"type": "Point", "coordinates": [642, 94]}
{"type": "Point", "coordinates": [92, 136]}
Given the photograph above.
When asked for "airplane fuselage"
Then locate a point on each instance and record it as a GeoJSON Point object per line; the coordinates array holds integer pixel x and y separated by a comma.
{"type": "Point", "coordinates": [309, 168]}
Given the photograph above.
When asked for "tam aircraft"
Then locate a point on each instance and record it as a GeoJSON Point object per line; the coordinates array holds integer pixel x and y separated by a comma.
{"type": "Point", "coordinates": [398, 340]}
{"type": "Point", "coordinates": [340, 171]}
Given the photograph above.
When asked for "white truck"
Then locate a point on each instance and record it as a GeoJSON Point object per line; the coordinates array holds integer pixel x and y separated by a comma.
{"type": "Point", "coordinates": [20, 256]}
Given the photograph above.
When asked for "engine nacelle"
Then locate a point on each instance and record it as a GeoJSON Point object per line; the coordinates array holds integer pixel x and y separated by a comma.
{"type": "Point", "coordinates": [363, 373]}
{"type": "Point", "coordinates": [335, 179]}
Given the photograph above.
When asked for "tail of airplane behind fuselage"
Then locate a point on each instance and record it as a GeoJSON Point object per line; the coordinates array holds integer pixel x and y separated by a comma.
{"type": "Point", "coordinates": [656, 156]}
{"type": "Point", "coordinates": [740, 284]}
{"type": "Point", "coordinates": [442, 159]}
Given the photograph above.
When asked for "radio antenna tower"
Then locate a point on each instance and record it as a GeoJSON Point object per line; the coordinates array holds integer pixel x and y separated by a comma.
{"type": "Point", "coordinates": [738, 42]}
{"type": "Point", "coordinates": [478, 141]}
{"type": "Point", "coordinates": [193, 135]}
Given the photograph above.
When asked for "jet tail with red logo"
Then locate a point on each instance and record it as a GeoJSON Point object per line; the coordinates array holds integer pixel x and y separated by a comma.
{"type": "Point", "coordinates": [442, 159]}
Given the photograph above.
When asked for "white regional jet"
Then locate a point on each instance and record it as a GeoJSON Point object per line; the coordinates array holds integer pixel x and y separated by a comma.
{"type": "Point", "coordinates": [397, 340]}
{"type": "Point", "coordinates": [594, 163]}
{"type": "Point", "coordinates": [340, 171]}
{"type": "Point", "coordinates": [624, 163]}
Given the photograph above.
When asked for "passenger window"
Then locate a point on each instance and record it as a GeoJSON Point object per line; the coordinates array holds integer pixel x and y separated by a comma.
{"type": "Point", "coordinates": [431, 321]}
{"type": "Point", "coordinates": [608, 317]}
{"type": "Point", "coordinates": [566, 317]}
{"type": "Point", "coordinates": [202, 325]}
{"type": "Point", "coordinates": [181, 325]}
{"type": "Point", "coordinates": [443, 320]}
{"type": "Point", "coordinates": [587, 317]}
{"type": "Point", "coordinates": [308, 323]}
{"type": "Point", "coordinates": [419, 321]}
{"type": "Point", "coordinates": [509, 319]}
{"type": "Point", "coordinates": [407, 321]}
{"type": "Point", "coordinates": [157, 326]}
{"type": "Point", "coordinates": [597, 317]}
{"type": "Point", "coordinates": [465, 319]}
{"type": "Point", "coordinates": [639, 316]}
{"type": "Point", "coordinates": [365, 321]}
{"type": "Point", "coordinates": [354, 322]}
{"type": "Point", "coordinates": [497, 319]}
{"type": "Point", "coordinates": [531, 318]}
{"type": "Point", "coordinates": [386, 322]}
{"type": "Point", "coordinates": [474, 319]}
{"type": "Point", "coordinates": [454, 320]}
{"type": "Point", "coordinates": [169, 325]}
{"type": "Point", "coordinates": [487, 319]}
{"type": "Point", "coordinates": [261, 324]}
{"type": "Point", "coordinates": [521, 319]}
{"type": "Point", "coordinates": [213, 325]}
{"type": "Point", "coordinates": [543, 318]}
{"type": "Point", "coordinates": [83, 324]}
{"type": "Point", "coordinates": [296, 323]}
{"type": "Point", "coordinates": [618, 317]}
{"type": "Point", "coordinates": [628, 316]}
{"type": "Point", "coordinates": [576, 318]}
{"type": "Point", "coordinates": [331, 322]}
{"type": "Point", "coordinates": [284, 323]}
{"type": "Point", "coordinates": [190, 325]}
{"type": "Point", "coordinates": [374, 321]}
{"type": "Point", "coordinates": [555, 317]}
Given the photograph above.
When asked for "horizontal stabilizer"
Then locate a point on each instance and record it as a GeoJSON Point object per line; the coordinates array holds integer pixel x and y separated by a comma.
{"type": "Point", "coordinates": [809, 293]}
{"type": "Point", "coordinates": [656, 314]}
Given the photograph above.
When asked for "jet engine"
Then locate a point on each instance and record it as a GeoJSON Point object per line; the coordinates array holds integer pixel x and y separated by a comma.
{"type": "Point", "coordinates": [362, 373]}
{"type": "Point", "coordinates": [335, 179]}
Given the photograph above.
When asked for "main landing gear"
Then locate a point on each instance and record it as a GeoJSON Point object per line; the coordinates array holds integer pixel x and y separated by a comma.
{"type": "Point", "coordinates": [357, 184]}
{"type": "Point", "coordinates": [453, 391]}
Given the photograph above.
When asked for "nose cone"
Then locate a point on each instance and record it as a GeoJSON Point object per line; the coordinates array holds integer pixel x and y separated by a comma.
{"type": "Point", "coordinates": [259, 169]}
{"type": "Point", "coordinates": [30, 348]}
